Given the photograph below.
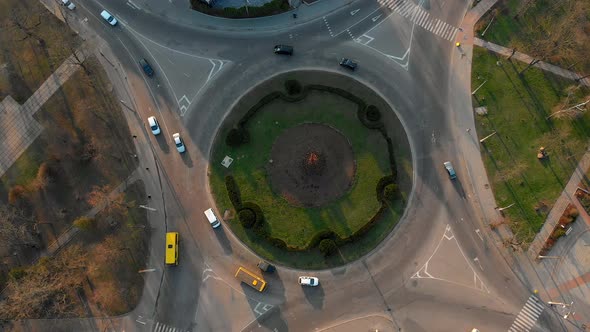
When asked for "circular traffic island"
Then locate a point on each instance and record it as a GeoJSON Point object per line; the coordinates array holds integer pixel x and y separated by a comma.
{"type": "Point", "coordinates": [312, 177]}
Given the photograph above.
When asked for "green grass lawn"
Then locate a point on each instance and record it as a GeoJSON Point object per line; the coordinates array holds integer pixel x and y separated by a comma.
{"type": "Point", "coordinates": [296, 225]}
{"type": "Point", "coordinates": [555, 30]}
{"type": "Point", "coordinates": [517, 111]}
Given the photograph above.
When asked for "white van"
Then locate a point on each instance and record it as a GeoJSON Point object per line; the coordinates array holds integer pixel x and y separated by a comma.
{"type": "Point", "coordinates": [108, 17]}
{"type": "Point", "coordinates": [212, 218]}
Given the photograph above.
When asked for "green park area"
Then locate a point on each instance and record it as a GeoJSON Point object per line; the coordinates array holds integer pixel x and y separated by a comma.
{"type": "Point", "coordinates": [293, 228]}
{"type": "Point", "coordinates": [529, 108]}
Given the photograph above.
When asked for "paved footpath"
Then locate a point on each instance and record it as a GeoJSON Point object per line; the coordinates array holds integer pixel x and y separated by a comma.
{"type": "Point", "coordinates": [528, 59]}
{"type": "Point", "coordinates": [559, 280]}
{"type": "Point", "coordinates": [18, 128]}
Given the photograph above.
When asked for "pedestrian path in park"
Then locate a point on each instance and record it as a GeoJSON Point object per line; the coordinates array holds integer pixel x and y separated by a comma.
{"type": "Point", "coordinates": [18, 128]}
{"type": "Point", "coordinates": [161, 327]}
{"type": "Point", "coordinates": [528, 315]}
{"type": "Point", "coordinates": [418, 15]}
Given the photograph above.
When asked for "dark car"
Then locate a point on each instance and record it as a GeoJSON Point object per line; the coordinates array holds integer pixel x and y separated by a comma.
{"type": "Point", "coordinates": [450, 170]}
{"type": "Point", "coordinates": [266, 267]}
{"type": "Point", "coordinates": [350, 64]}
{"type": "Point", "coordinates": [146, 67]}
{"type": "Point", "coordinates": [283, 49]}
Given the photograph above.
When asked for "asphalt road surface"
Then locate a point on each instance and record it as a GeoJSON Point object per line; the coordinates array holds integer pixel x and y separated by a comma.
{"type": "Point", "coordinates": [439, 270]}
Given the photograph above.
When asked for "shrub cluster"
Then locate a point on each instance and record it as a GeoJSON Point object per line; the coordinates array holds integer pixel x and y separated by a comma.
{"type": "Point", "coordinates": [237, 137]}
{"type": "Point", "coordinates": [328, 247]}
{"type": "Point", "coordinates": [271, 8]}
{"type": "Point", "coordinates": [293, 87]}
{"type": "Point", "coordinates": [233, 191]}
{"type": "Point", "coordinates": [247, 218]}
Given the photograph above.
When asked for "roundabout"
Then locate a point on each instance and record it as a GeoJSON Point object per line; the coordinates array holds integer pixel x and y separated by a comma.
{"type": "Point", "coordinates": [320, 175]}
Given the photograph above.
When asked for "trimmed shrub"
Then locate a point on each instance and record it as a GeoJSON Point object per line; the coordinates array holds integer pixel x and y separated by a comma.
{"type": "Point", "coordinates": [16, 194]}
{"type": "Point", "coordinates": [257, 212]}
{"type": "Point", "coordinates": [383, 182]}
{"type": "Point", "coordinates": [373, 113]}
{"type": "Point", "coordinates": [277, 243]}
{"type": "Point", "coordinates": [557, 233]}
{"type": "Point", "coordinates": [247, 218]}
{"type": "Point", "coordinates": [321, 235]}
{"type": "Point", "coordinates": [391, 193]}
{"type": "Point", "coordinates": [85, 223]}
{"type": "Point", "coordinates": [328, 247]}
{"type": "Point", "coordinates": [233, 191]}
{"type": "Point", "coordinates": [293, 87]}
{"type": "Point", "coordinates": [572, 212]}
{"type": "Point", "coordinates": [237, 137]}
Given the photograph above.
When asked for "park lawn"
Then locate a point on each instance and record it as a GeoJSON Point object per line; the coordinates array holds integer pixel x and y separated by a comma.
{"type": "Point", "coordinates": [555, 30]}
{"type": "Point", "coordinates": [297, 225]}
{"type": "Point", "coordinates": [517, 111]}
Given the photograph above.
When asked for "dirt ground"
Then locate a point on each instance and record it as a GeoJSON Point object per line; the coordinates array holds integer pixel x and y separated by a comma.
{"type": "Point", "coordinates": [311, 165]}
{"type": "Point", "coordinates": [85, 140]}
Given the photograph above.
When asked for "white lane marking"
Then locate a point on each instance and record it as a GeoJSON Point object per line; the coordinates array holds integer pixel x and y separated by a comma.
{"type": "Point", "coordinates": [528, 315]}
{"type": "Point", "coordinates": [354, 11]}
{"type": "Point", "coordinates": [478, 232]}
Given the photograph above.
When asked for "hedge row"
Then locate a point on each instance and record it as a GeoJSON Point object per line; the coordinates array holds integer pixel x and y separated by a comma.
{"type": "Point", "coordinates": [327, 241]}
{"type": "Point", "coordinates": [271, 8]}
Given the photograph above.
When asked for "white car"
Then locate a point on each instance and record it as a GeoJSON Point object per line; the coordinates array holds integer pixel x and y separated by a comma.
{"type": "Point", "coordinates": [68, 4]}
{"type": "Point", "coordinates": [308, 281]}
{"type": "Point", "coordinates": [154, 126]}
{"type": "Point", "coordinates": [179, 143]}
{"type": "Point", "coordinates": [108, 17]}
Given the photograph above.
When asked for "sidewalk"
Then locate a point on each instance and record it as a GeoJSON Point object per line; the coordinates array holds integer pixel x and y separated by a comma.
{"type": "Point", "coordinates": [528, 59]}
{"type": "Point", "coordinates": [560, 280]}
{"type": "Point", "coordinates": [18, 128]}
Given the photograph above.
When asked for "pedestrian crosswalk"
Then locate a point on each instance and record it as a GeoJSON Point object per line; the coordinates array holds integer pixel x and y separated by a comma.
{"type": "Point", "coordinates": [528, 315]}
{"type": "Point", "coordinates": [416, 14]}
{"type": "Point", "coordinates": [160, 327]}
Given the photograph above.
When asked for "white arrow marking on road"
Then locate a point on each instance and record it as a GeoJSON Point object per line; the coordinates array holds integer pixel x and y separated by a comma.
{"type": "Point", "coordinates": [139, 321]}
{"type": "Point", "coordinates": [477, 260]}
{"type": "Point", "coordinates": [374, 19]}
{"type": "Point", "coordinates": [479, 234]}
{"type": "Point", "coordinates": [354, 11]}
{"type": "Point", "coordinates": [146, 270]}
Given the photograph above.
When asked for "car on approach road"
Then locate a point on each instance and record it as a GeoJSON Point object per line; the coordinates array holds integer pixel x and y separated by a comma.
{"type": "Point", "coordinates": [308, 281]}
{"type": "Point", "coordinates": [108, 17]}
{"type": "Point", "coordinates": [154, 125]}
{"type": "Point", "coordinates": [348, 63]}
{"type": "Point", "coordinates": [450, 170]}
{"type": "Point", "coordinates": [68, 4]}
{"type": "Point", "coordinates": [147, 69]}
{"type": "Point", "coordinates": [283, 49]}
{"type": "Point", "coordinates": [179, 143]}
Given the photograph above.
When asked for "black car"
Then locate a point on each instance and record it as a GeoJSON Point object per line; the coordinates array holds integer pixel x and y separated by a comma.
{"type": "Point", "coordinates": [266, 266]}
{"type": "Point", "coordinates": [350, 64]}
{"type": "Point", "coordinates": [146, 67]}
{"type": "Point", "coordinates": [283, 49]}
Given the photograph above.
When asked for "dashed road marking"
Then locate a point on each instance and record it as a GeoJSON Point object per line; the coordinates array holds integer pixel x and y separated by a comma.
{"type": "Point", "coordinates": [528, 315]}
{"type": "Point", "coordinates": [419, 16]}
{"type": "Point", "coordinates": [328, 26]}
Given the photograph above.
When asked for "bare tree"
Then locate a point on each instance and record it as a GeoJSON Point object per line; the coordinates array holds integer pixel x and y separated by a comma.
{"type": "Point", "coordinates": [103, 197]}
{"type": "Point", "coordinates": [16, 228]}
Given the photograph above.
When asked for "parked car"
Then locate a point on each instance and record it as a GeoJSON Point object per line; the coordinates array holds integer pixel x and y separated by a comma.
{"type": "Point", "coordinates": [179, 143]}
{"type": "Point", "coordinates": [154, 125]}
{"type": "Point", "coordinates": [147, 69]}
{"type": "Point", "coordinates": [348, 63]}
{"type": "Point", "coordinates": [108, 17]}
{"type": "Point", "coordinates": [309, 281]}
{"type": "Point", "coordinates": [283, 49]}
{"type": "Point", "coordinates": [67, 3]}
{"type": "Point", "coordinates": [450, 170]}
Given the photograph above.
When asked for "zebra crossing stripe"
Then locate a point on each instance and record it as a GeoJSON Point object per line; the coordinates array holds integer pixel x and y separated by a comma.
{"type": "Point", "coordinates": [528, 315]}
{"type": "Point", "coordinates": [405, 9]}
{"type": "Point", "coordinates": [423, 18]}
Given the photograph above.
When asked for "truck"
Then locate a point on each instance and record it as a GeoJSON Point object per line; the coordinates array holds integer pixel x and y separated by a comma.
{"type": "Point", "coordinates": [250, 279]}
